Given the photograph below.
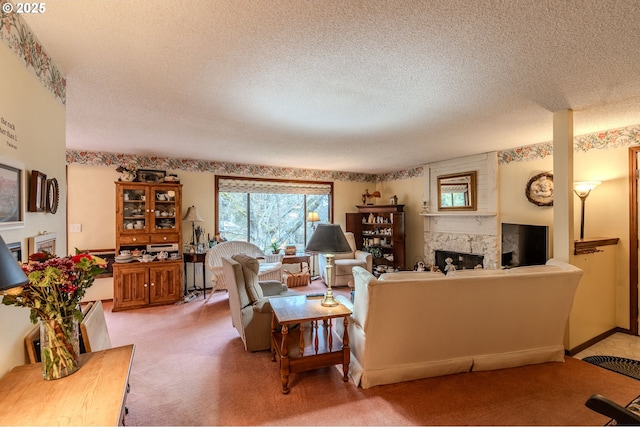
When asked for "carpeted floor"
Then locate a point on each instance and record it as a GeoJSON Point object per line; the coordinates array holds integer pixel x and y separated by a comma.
{"type": "Point", "coordinates": [190, 368]}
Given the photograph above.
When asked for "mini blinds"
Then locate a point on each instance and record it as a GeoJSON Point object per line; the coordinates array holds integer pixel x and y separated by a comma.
{"type": "Point", "coordinates": [454, 188]}
{"type": "Point", "coordinates": [272, 187]}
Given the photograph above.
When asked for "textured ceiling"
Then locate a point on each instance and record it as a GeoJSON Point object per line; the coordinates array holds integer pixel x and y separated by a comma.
{"type": "Point", "coordinates": [360, 86]}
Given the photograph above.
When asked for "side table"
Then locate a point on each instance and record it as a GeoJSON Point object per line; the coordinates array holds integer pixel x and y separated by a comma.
{"type": "Point", "coordinates": [94, 395]}
{"type": "Point", "coordinates": [195, 258]}
{"type": "Point", "coordinates": [311, 345]}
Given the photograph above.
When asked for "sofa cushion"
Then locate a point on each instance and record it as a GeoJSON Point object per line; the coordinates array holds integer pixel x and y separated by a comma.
{"type": "Point", "coordinates": [250, 268]}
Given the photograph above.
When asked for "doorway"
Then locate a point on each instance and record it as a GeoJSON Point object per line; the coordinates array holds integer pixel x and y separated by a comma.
{"type": "Point", "coordinates": [634, 154]}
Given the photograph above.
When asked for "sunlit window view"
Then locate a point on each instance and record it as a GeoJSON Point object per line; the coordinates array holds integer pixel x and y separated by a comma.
{"type": "Point", "coordinates": [271, 214]}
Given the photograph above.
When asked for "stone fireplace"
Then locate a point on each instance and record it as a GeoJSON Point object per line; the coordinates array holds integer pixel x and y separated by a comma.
{"type": "Point", "coordinates": [476, 245]}
{"type": "Point", "coordinates": [472, 234]}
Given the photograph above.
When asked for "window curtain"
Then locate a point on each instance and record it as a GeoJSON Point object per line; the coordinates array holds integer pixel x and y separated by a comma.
{"type": "Point", "coordinates": [271, 187]}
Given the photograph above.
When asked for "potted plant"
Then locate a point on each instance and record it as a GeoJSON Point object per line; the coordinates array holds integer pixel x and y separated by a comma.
{"type": "Point", "coordinates": [274, 246]}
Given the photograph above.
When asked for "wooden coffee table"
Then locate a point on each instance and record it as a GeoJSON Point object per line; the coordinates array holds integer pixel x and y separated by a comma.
{"type": "Point", "coordinates": [313, 344]}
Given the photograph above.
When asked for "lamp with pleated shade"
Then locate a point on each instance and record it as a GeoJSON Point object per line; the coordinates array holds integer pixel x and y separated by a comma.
{"type": "Point", "coordinates": [328, 239]}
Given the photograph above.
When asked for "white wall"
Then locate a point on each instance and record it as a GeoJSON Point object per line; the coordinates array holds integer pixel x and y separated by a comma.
{"type": "Point", "coordinates": [39, 120]}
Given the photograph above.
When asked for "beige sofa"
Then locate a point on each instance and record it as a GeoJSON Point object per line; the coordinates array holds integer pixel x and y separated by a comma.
{"type": "Point", "coordinates": [410, 325]}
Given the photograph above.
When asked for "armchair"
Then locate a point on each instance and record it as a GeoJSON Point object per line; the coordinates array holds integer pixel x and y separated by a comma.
{"type": "Point", "coordinates": [270, 265]}
{"type": "Point", "coordinates": [343, 263]}
{"type": "Point", "coordinates": [249, 300]}
{"type": "Point", "coordinates": [623, 416]}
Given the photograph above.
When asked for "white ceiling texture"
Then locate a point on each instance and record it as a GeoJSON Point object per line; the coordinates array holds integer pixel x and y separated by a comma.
{"type": "Point", "coordinates": [346, 85]}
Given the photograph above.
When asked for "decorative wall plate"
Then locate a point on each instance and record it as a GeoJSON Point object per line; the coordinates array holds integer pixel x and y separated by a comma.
{"type": "Point", "coordinates": [53, 195]}
{"type": "Point", "coordinates": [539, 189]}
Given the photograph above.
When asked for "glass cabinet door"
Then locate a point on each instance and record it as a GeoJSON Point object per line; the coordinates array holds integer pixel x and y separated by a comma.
{"type": "Point", "coordinates": [164, 209]}
{"type": "Point", "coordinates": [134, 205]}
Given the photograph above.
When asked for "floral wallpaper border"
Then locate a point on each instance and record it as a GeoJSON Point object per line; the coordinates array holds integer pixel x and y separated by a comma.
{"type": "Point", "coordinates": [615, 138]}
{"type": "Point", "coordinates": [219, 168]}
{"type": "Point", "coordinates": [18, 37]}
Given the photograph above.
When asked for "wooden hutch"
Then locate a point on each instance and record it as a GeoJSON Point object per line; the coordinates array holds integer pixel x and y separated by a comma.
{"type": "Point", "coordinates": [148, 214]}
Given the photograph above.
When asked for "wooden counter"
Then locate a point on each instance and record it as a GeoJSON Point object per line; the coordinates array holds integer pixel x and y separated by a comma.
{"type": "Point", "coordinates": [94, 395]}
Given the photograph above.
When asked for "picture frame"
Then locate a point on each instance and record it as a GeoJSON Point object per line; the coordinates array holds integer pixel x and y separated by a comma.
{"type": "Point", "coordinates": [150, 175]}
{"type": "Point", "coordinates": [43, 242]}
{"type": "Point", "coordinates": [16, 250]}
{"type": "Point", "coordinates": [38, 192]}
{"type": "Point", "coordinates": [12, 193]}
{"type": "Point", "coordinates": [53, 195]}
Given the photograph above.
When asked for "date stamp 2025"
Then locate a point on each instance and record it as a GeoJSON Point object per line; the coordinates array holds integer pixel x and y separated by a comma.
{"type": "Point", "coordinates": [24, 7]}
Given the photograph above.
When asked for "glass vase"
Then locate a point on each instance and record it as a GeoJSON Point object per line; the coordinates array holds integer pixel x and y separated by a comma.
{"type": "Point", "coordinates": [59, 347]}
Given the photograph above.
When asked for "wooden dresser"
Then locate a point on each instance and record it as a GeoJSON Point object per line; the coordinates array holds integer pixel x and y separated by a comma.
{"type": "Point", "coordinates": [95, 395]}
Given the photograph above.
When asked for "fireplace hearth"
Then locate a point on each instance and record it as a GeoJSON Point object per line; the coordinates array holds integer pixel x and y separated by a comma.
{"type": "Point", "coordinates": [459, 260]}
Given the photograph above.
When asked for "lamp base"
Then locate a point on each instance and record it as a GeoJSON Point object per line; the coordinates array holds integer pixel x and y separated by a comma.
{"type": "Point", "coordinates": [329, 300]}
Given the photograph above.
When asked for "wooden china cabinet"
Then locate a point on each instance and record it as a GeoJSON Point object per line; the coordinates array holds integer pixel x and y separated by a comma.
{"type": "Point", "coordinates": [148, 214]}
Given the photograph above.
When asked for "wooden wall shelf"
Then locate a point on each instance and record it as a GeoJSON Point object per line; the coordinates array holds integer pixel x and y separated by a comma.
{"type": "Point", "coordinates": [588, 246]}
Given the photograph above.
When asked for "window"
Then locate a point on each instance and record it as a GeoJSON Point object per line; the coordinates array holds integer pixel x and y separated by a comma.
{"type": "Point", "coordinates": [261, 211]}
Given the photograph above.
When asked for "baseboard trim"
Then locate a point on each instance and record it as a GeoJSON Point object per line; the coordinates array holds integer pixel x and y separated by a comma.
{"type": "Point", "coordinates": [595, 340]}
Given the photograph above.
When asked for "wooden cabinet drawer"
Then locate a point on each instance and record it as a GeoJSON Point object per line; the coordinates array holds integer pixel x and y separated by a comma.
{"type": "Point", "coordinates": [165, 238]}
{"type": "Point", "coordinates": [134, 240]}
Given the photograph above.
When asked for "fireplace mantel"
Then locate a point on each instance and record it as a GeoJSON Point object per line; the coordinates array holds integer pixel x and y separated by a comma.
{"type": "Point", "coordinates": [460, 214]}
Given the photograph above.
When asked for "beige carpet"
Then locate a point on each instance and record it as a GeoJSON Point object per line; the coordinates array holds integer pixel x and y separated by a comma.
{"type": "Point", "coordinates": [190, 368]}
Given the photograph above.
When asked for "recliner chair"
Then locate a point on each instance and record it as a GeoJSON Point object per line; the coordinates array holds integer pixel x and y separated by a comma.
{"type": "Point", "coordinates": [249, 300]}
{"type": "Point", "coordinates": [344, 263]}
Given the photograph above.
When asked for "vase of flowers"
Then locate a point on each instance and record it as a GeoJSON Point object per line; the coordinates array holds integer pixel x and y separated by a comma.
{"type": "Point", "coordinates": [56, 287]}
{"type": "Point", "coordinates": [59, 347]}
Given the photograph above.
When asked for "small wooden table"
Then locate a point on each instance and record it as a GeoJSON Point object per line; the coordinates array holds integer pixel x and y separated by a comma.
{"type": "Point", "coordinates": [310, 346]}
{"type": "Point", "coordinates": [299, 259]}
{"type": "Point", "coordinates": [93, 395]}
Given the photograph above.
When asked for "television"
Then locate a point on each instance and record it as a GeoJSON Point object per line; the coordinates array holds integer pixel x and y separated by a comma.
{"type": "Point", "coordinates": [524, 244]}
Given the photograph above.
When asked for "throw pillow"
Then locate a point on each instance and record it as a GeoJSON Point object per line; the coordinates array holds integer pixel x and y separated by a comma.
{"type": "Point", "coordinates": [250, 268]}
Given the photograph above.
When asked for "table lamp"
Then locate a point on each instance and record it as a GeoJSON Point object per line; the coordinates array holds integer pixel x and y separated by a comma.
{"type": "Point", "coordinates": [328, 239]}
{"type": "Point", "coordinates": [11, 274]}
{"type": "Point", "coordinates": [193, 216]}
{"type": "Point", "coordinates": [313, 217]}
{"type": "Point", "coordinates": [583, 189]}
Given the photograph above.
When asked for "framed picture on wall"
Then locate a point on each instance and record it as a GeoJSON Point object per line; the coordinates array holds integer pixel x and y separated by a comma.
{"type": "Point", "coordinates": [16, 250]}
{"type": "Point", "coordinates": [12, 199]}
{"type": "Point", "coordinates": [43, 243]}
{"type": "Point", "coordinates": [151, 175]}
{"type": "Point", "coordinates": [38, 193]}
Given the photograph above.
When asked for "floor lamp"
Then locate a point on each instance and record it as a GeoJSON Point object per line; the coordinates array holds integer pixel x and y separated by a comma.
{"type": "Point", "coordinates": [583, 189]}
{"type": "Point", "coordinates": [313, 217]}
{"type": "Point", "coordinates": [328, 239]}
